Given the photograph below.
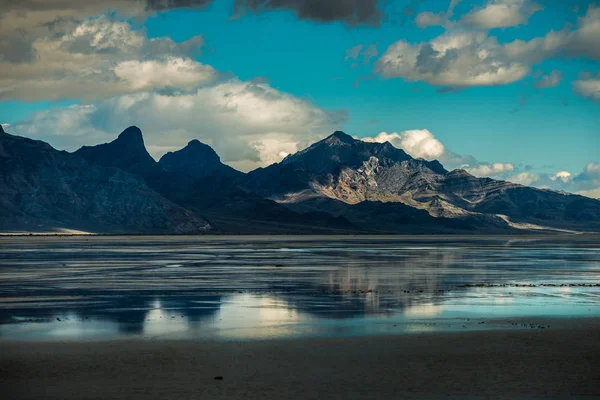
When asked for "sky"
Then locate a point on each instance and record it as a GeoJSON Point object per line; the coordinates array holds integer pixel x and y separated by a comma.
{"type": "Point", "coordinates": [508, 89]}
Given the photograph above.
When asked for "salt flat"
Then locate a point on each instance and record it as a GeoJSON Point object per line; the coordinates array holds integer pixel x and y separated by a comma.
{"type": "Point", "coordinates": [259, 287]}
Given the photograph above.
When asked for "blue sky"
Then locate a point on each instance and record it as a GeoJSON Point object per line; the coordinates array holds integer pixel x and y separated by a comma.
{"type": "Point", "coordinates": [264, 82]}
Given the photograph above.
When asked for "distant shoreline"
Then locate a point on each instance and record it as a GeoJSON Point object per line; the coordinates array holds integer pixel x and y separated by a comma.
{"type": "Point", "coordinates": [420, 235]}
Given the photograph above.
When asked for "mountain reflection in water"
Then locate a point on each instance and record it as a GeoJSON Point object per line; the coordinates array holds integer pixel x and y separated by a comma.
{"type": "Point", "coordinates": [257, 287]}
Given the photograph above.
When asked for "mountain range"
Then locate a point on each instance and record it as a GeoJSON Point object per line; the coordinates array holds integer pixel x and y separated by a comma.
{"type": "Point", "coordinates": [337, 185]}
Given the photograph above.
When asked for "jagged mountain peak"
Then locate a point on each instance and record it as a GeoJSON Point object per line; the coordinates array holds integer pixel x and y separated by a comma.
{"type": "Point", "coordinates": [460, 172]}
{"type": "Point", "coordinates": [132, 133]}
{"type": "Point", "coordinates": [127, 152]}
{"type": "Point", "coordinates": [343, 164]}
{"type": "Point", "coordinates": [131, 138]}
{"type": "Point", "coordinates": [341, 149]}
{"type": "Point", "coordinates": [1, 129]}
{"type": "Point", "coordinates": [339, 137]}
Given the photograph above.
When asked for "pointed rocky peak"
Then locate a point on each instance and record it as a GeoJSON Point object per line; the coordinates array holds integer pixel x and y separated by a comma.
{"type": "Point", "coordinates": [340, 149]}
{"type": "Point", "coordinates": [339, 137]}
{"type": "Point", "coordinates": [459, 172]}
{"type": "Point", "coordinates": [1, 129]}
{"type": "Point", "coordinates": [126, 152]}
{"type": "Point", "coordinates": [131, 136]}
{"type": "Point", "coordinates": [197, 160]}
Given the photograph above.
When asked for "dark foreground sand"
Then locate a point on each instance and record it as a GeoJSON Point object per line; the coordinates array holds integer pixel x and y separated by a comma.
{"type": "Point", "coordinates": [561, 362]}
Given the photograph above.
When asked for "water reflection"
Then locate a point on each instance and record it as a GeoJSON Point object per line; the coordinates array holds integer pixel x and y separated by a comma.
{"type": "Point", "coordinates": [231, 288]}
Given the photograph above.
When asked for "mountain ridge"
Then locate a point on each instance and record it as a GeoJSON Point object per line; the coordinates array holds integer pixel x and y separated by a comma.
{"type": "Point", "coordinates": [43, 189]}
{"type": "Point", "coordinates": [338, 184]}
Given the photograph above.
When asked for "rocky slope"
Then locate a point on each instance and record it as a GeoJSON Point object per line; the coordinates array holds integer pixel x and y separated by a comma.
{"type": "Point", "coordinates": [46, 190]}
{"type": "Point", "coordinates": [195, 178]}
{"type": "Point", "coordinates": [353, 172]}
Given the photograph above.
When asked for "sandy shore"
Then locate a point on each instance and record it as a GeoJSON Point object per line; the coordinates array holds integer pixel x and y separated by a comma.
{"type": "Point", "coordinates": [562, 362]}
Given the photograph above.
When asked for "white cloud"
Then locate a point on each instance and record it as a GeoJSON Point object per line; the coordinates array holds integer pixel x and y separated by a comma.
{"type": "Point", "coordinates": [494, 169]}
{"type": "Point", "coordinates": [100, 58]}
{"type": "Point", "coordinates": [588, 88]}
{"type": "Point", "coordinates": [501, 14]}
{"type": "Point", "coordinates": [494, 14]}
{"type": "Point", "coordinates": [248, 124]}
{"type": "Point", "coordinates": [581, 41]}
{"type": "Point", "coordinates": [462, 59]}
{"type": "Point", "coordinates": [564, 176]}
{"type": "Point", "coordinates": [421, 143]}
{"type": "Point", "coordinates": [590, 172]}
{"type": "Point", "coordinates": [525, 178]}
{"type": "Point", "coordinates": [177, 73]}
{"type": "Point", "coordinates": [457, 60]}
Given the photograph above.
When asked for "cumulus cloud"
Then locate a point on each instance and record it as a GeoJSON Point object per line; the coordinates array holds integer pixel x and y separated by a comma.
{"type": "Point", "coordinates": [459, 59]}
{"type": "Point", "coordinates": [525, 178]}
{"type": "Point", "coordinates": [456, 60]}
{"type": "Point", "coordinates": [563, 176]}
{"type": "Point", "coordinates": [494, 169]}
{"type": "Point", "coordinates": [577, 42]}
{"type": "Point", "coordinates": [421, 143]}
{"type": "Point", "coordinates": [494, 14]}
{"type": "Point", "coordinates": [351, 12]}
{"type": "Point", "coordinates": [588, 88]}
{"type": "Point", "coordinates": [101, 58]}
{"type": "Point", "coordinates": [501, 14]}
{"type": "Point", "coordinates": [23, 22]}
{"type": "Point", "coordinates": [248, 124]}
{"type": "Point", "coordinates": [591, 172]}
{"type": "Point", "coordinates": [156, 74]}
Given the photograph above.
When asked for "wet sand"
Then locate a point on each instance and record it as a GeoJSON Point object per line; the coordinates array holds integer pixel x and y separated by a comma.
{"type": "Point", "coordinates": [560, 362]}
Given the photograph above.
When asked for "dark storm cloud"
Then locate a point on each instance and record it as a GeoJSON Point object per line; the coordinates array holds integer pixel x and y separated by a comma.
{"type": "Point", "coordinates": [352, 12]}
{"type": "Point", "coordinates": [17, 49]}
{"type": "Point", "coordinates": [160, 5]}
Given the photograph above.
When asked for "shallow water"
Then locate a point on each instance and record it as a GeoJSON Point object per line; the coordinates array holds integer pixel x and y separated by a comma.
{"type": "Point", "coordinates": [221, 287]}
